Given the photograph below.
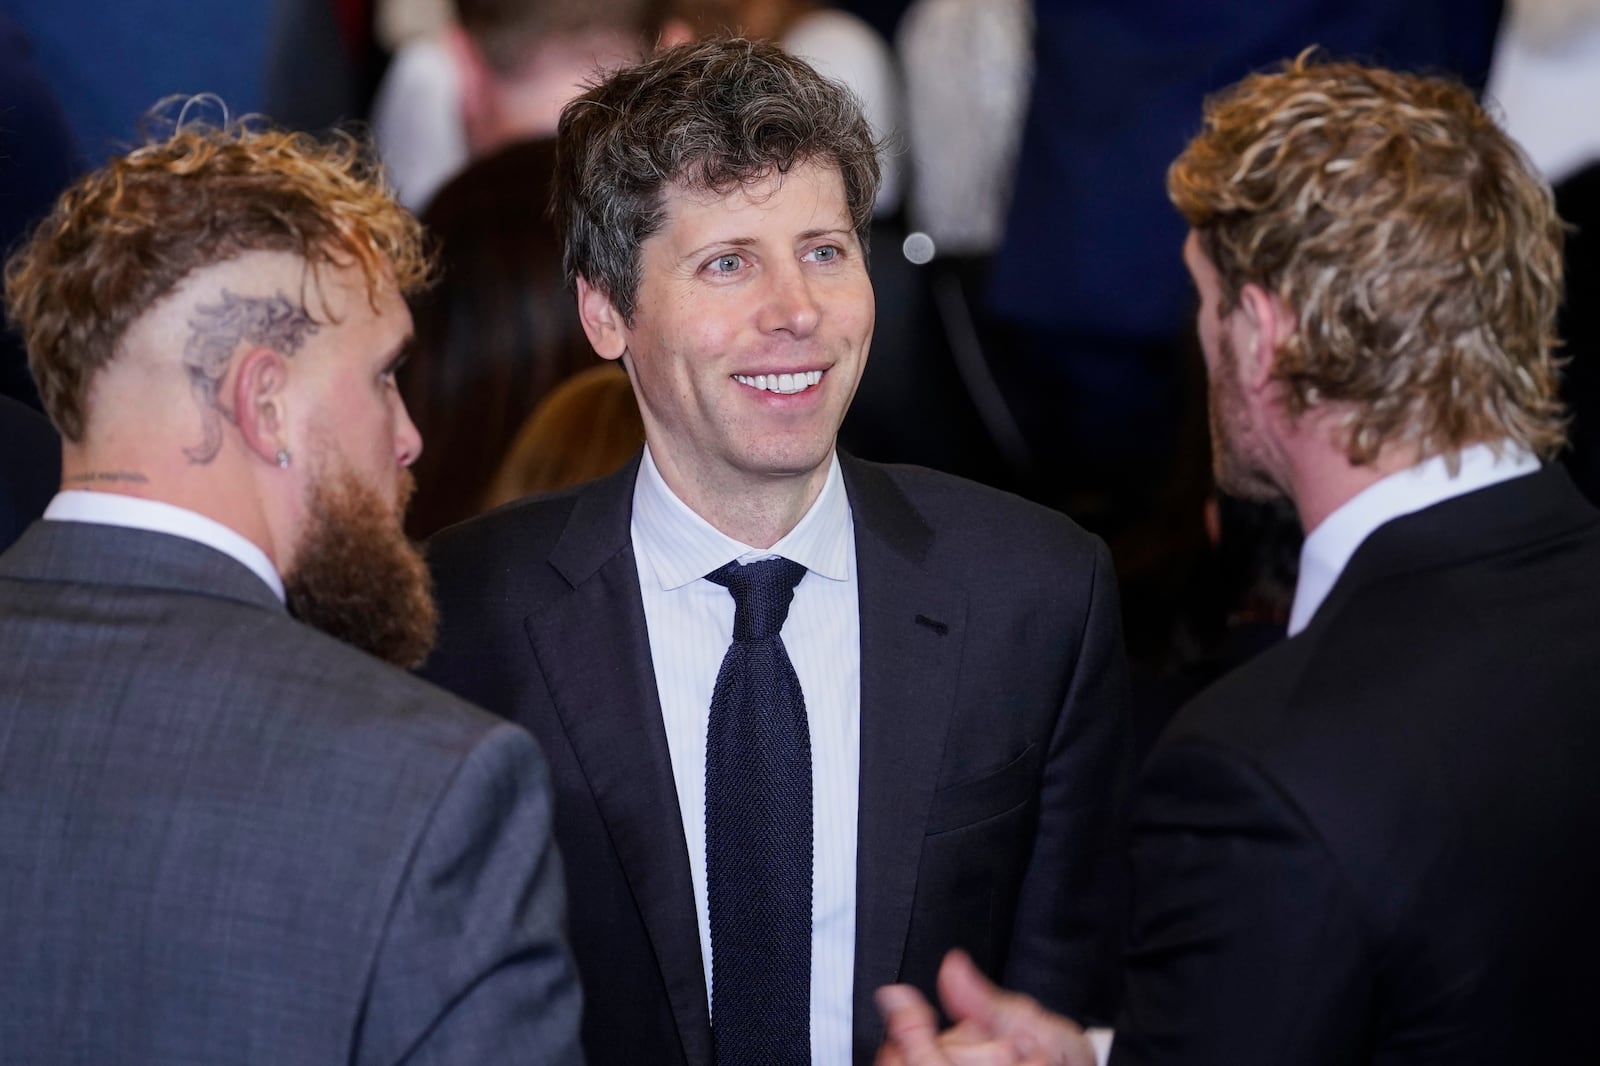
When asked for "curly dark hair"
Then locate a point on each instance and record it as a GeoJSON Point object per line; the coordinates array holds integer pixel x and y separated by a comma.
{"type": "Point", "coordinates": [709, 116]}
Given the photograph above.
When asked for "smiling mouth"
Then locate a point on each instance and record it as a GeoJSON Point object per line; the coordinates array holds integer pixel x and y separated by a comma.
{"type": "Point", "coordinates": [783, 384]}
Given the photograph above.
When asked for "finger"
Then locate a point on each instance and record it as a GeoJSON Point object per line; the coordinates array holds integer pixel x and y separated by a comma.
{"type": "Point", "coordinates": [964, 1033]}
{"type": "Point", "coordinates": [889, 1055]}
{"type": "Point", "coordinates": [982, 1007]}
{"type": "Point", "coordinates": [967, 995]}
{"type": "Point", "coordinates": [913, 1028]}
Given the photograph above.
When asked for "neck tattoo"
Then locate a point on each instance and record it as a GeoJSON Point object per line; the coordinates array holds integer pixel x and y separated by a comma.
{"type": "Point", "coordinates": [94, 477]}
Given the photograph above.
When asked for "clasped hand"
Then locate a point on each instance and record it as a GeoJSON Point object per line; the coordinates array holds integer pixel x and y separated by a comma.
{"type": "Point", "coordinates": [993, 1027]}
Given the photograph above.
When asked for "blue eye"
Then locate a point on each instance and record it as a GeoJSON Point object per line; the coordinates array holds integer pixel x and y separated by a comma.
{"type": "Point", "coordinates": [726, 264]}
{"type": "Point", "coordinates": [826, 253]}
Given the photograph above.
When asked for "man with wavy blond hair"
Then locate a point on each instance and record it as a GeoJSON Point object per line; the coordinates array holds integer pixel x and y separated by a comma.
{"type": "Point", "coordinates": [226, 836]}
{"type": "Point", "coordinates": [1374, 844]}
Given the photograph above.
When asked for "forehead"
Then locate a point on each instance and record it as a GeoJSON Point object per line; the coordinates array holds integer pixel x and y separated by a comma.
{"type": "Point", "coordinates": [340, 291]}
{"type": "Point", "coordinates": [808, 197]}
{"type": "Point", "coordinates": [1199, 264]}
{"type": "Point", "coordinates": [350, 307]}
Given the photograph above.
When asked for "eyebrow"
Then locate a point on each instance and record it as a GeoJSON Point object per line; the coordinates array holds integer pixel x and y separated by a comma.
{"type": "Point", "coordinates": [747, 242]}
{"type": "Point", "coordinates": [827, 231]}
{"type": "Point", "coordinates": [705, 249]}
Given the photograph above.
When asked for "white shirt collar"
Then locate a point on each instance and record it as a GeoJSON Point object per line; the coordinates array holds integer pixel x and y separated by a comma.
{"type": "Point", "coordinates": [1328, 548]}
{"type": "Point", "coordinates": [133, 512]}
{"type": "Point", "coordinates": [681, 547]}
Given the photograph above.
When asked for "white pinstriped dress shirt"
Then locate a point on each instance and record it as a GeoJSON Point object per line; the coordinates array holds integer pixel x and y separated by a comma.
{"type": "Point", "coordinates": [690, 622]}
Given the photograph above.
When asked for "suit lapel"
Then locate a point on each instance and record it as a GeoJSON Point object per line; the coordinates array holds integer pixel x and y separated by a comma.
{"type": "Point", "coordinates": [595, 653]}
{"type": "Point", "coordinates": [912, 633]}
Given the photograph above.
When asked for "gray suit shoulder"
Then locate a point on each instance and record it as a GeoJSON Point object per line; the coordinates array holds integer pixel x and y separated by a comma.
{"type": "Point", "coordinates": [355, 702]}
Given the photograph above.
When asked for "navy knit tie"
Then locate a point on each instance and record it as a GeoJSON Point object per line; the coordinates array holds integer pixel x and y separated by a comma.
{"type": "Point", "coordinates": [758, 830]}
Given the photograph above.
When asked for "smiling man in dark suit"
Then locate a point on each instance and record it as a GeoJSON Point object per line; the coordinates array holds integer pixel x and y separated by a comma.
{"type": "Point", "coordinates": [1374, 843]}
{"type": "Point", "coordinates": [772, 801]}
{"type": "Point", "coordinates": [225, 836]}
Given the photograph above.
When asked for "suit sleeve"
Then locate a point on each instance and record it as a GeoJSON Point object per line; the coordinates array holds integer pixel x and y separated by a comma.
{"type": "Point", "coordinates": [1247, 945]}
{"type": "Point", "coordinates": [1067, 931]}
{"type": "Point", "coordinates": [474, 966]}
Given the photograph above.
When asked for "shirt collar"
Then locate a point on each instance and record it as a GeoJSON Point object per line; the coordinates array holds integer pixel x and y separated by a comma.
{"type": "Point", "coordinates": [1328, 548]}
{"type": "Point", "coordinates": [133, 512]}
{"type": "Point", "coordinates": [681, 547]}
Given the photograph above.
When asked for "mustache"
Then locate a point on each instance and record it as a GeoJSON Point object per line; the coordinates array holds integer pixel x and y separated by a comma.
{"type": "Point", "coordinates": [404, 491]}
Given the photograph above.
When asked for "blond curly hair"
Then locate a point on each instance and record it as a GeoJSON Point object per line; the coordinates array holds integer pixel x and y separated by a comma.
{"type": "Point", "coordinates": [127, 234]}
{"type": "Point", "coordinates": [1411, 237]}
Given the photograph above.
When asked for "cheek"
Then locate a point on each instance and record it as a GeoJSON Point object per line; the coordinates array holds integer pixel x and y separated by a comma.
{"type": "Point", "coordinates": [1211, 340]}
{"type": "Point", "coordinates": [855, 305]}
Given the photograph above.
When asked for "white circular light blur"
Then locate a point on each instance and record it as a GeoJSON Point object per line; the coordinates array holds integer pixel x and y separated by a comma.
{"type": "Point", "coordinates": [918, 247]}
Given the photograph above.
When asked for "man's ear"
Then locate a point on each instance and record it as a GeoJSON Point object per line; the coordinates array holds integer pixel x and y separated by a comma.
{"type": "Point", "coordinates": [604, 326]}
{"type": "Point", "coordinates": [260, 403]}
{"type": "Point", "coordinates": [1266, 323]}
{"type": "Point", "coordinates": [674, 31]}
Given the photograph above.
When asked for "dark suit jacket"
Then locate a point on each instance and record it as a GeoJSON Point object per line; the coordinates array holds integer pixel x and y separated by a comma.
{"type": "Point", "coordinates": [227, 838]}
{"type": "Point", "coordinates": [30, 467]}
{"type": "Point", "coordinates": [992, 743]}
{"type": "Point", "coordinates": [1376, 842]}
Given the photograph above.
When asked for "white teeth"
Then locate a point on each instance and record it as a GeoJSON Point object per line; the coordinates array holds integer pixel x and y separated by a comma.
{"type": "Point", "coordinates": [783, 384]}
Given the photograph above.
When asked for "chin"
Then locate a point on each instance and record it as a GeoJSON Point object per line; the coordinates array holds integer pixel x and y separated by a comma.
{"type": "Point", "coordinates": [792, 462]}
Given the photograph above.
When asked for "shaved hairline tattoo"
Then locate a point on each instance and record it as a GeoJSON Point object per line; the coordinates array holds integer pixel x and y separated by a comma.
{"type": "Point", "coordinates": [275, 322]}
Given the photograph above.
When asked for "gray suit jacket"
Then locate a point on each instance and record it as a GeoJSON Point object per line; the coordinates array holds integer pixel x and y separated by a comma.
{"type": "Point", "coordinates": [227, 838]}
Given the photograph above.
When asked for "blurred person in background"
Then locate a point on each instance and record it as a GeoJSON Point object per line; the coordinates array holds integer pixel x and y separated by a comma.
{"type": "Point", "coordinates": [500, 330]}
{"type": "Point", "coordinates": [586, 428]}
{"type": "Point", "coordinates": [498, 73]}
{"type": "Point", "coordinates": [494, 335]}
{"type": "Point", "coordinates": [1545, 78]}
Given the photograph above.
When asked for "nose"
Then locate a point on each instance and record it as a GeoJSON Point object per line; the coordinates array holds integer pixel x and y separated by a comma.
{"type": "Point", "coordinates": [791, 306]}
{"type": "Point", "coordinates": [407, 438]}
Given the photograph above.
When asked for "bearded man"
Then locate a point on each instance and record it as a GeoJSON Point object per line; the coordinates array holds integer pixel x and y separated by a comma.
{"type": "Point", "coordinates": [226, 837]}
